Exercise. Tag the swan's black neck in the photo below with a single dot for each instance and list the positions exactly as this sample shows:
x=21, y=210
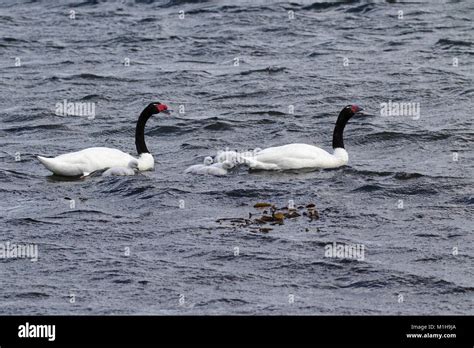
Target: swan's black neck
x=140, y=131
x=337, y=137
x=337, y=140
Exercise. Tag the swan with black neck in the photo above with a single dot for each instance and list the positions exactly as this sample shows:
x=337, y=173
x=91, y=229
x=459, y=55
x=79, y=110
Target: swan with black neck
x=84, y=162
x=299, y=156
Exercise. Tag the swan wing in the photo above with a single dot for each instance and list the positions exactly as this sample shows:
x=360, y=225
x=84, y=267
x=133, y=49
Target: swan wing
x=293, y=156
x=86, y=161
x=62, y=168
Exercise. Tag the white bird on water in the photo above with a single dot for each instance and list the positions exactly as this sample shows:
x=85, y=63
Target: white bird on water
x=208, y=167
x=299, y=156
x=84, y=162
x=122, y=171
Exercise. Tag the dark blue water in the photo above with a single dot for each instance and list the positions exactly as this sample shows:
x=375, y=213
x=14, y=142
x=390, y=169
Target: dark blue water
x=406, y=195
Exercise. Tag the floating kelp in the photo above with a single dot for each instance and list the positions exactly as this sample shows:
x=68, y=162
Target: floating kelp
x=292, y=214
x=262, y=205
x=272, y=216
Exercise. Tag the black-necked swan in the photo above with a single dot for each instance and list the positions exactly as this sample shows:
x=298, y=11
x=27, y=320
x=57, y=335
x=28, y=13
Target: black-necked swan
x=93, y=159
x=299, y=156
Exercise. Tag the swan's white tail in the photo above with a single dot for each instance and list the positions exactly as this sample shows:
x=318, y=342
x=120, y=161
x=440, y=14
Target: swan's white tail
x=47, y=162
x=60, y=168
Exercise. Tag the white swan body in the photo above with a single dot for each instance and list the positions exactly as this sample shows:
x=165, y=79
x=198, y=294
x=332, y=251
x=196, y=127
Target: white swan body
x=296, y=156
x=122, y=171
x=92, y=159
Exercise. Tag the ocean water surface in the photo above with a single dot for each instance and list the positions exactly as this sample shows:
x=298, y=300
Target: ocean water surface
x=238, y=75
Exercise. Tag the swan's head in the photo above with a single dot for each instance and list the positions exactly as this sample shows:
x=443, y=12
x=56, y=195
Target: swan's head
x=208, y=160
x=352, y=109
x=347, y=113
x=157, y=107
x=356, y=108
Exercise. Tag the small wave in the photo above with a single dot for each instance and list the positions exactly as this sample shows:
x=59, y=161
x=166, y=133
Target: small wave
x=407, y=176
x=87, y=76
x=397, y=280
x=395, y=175
x=251, y=193
x=53, y=44
x=396, y=43
x=148, y=19
x=453, y=43
x=122, y=281
x=13, y=174
x=28, y=221
x=95, y=97
x=5, y=19
x=426, y=235
x=269, y=70
x=468, y=92
x=219, y=126
x=137, y=191
x=12, y=39
x=361, y=172
x=415, y=189
x=86, y=3
x=368, y=188
x=168, y=130
x=325, y=5
x=240, y=96
x=220, y=301
x=390, y=136
x=468, y=200
x=32, y=295
x=171, y=3
x=361, y=9
x=194, y=146
x=39, y=127
x=429, y=259
x=367, y=284
x=122, y=185
x=269, y=113
x=316, y=54
x=88, y=215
